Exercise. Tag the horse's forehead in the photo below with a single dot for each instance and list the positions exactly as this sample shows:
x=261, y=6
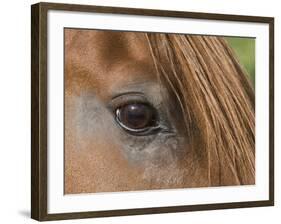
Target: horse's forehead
x=106, y=59
x=107, y=45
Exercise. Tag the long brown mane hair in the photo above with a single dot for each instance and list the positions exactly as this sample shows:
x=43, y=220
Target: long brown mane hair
x=216, y=100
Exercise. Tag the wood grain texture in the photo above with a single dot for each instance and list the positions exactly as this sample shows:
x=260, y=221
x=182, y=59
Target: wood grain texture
x=38, y=112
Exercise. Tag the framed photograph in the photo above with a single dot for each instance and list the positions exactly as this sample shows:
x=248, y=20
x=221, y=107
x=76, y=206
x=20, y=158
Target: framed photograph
x=138, y=111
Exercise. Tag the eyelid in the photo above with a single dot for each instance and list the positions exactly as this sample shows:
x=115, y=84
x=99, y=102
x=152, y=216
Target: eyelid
x=128, y=98
x=131, y=93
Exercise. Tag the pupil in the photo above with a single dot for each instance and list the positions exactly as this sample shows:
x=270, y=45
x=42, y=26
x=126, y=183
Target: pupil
x=136, y=116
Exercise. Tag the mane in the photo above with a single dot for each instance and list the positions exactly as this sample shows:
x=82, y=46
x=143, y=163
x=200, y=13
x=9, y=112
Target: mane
x=216, y=101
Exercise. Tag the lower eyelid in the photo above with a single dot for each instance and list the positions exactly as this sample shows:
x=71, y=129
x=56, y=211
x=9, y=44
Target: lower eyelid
x=141, y=132
x=160, y=129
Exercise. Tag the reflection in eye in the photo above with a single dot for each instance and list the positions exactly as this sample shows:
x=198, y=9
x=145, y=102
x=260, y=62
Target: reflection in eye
x=137, y=118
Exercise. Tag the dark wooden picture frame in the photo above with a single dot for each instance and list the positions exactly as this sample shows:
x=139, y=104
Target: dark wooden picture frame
x=39, y=110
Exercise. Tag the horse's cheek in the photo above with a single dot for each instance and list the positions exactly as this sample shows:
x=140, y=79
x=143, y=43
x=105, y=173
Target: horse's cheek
x=98, y=167
x=94, y=159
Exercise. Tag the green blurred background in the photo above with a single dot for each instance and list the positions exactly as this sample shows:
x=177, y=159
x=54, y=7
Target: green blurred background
x=245, y=51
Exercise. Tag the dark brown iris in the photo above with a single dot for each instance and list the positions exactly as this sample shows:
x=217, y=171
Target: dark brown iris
x=136, y=116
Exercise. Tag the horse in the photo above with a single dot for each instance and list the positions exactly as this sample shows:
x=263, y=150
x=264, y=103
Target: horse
x=147, y=111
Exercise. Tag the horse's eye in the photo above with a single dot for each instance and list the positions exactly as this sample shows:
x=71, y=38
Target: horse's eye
x=137, y=117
